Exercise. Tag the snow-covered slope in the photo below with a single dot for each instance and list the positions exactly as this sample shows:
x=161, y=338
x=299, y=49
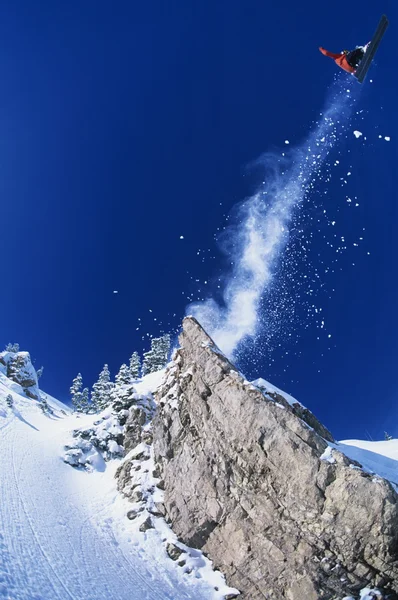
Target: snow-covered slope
x=380, y=458
x=63, y=532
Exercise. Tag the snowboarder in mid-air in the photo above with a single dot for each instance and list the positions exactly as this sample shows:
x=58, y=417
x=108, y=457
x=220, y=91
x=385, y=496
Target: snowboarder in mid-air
x=348, y=61
x=358, y=61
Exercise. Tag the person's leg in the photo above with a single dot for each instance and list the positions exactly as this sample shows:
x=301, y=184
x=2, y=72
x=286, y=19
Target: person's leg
x=355, y=57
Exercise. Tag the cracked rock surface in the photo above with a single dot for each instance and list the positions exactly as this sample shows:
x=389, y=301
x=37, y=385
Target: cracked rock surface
x=244, y=481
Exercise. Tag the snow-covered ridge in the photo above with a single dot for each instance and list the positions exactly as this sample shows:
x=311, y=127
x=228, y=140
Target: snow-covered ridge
x=378, y=458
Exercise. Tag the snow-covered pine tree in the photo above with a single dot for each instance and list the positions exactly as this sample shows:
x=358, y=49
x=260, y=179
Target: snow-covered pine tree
x=85, y=400
x=164, y=349
x=135, y=365
x=10, y=401
x=39, y=373
x=124, y=376
x=387, y=436
x=148, y=362
x=101, y=394
x=75, y=392
x=156, y=358
x=12, y=348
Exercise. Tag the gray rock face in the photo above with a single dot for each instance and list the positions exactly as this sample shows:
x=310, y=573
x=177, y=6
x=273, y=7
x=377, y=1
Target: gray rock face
x=133, y=429
x=19, y=368
x=245, y=482
x=137, y=434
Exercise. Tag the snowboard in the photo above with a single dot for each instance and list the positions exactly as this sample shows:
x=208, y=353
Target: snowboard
x=371, y=50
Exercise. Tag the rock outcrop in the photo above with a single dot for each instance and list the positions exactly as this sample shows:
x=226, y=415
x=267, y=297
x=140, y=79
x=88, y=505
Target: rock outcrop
x=18, y=367
x=137, y=439
x=248, y=480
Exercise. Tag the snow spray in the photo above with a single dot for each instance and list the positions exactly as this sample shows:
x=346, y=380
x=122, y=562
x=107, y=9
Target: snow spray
x=260, y=232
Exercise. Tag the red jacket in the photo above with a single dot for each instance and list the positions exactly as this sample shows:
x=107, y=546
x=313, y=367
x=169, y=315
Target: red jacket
x=339, y=59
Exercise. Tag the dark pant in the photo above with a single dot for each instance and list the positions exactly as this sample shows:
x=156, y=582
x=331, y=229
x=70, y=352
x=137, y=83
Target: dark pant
x=355, y=57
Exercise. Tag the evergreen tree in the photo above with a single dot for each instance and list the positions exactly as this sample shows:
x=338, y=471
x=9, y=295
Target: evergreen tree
x=12, y=348
x=135, y=365
x=124, y=376
x=156, y=358
x=40, y=372
x=76, y=393
x=164, y=349
x=101, y=395
x=85, y=401
x=148, y=362
x=10, y=401
x=387, y=436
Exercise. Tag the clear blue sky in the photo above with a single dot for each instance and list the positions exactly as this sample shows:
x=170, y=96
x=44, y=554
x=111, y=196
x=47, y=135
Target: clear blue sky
x=124, y=126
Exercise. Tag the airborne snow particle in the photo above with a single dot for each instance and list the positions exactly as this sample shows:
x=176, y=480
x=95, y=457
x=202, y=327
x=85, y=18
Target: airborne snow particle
x=115, y=291
x=358, y=134
x=181, y=237
x=287, y=142
x=387, y=138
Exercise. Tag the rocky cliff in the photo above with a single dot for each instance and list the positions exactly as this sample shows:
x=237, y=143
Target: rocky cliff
x=249, y=478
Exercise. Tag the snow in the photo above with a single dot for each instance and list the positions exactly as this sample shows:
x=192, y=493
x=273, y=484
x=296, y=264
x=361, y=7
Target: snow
x=266, y=386
x=149, y=383
x=369, y=594
x=380, y=458
x=327, y=456
x=358, y=134
x=54, y=403
x=64, y=532
x=387, y=138
x=261, y=238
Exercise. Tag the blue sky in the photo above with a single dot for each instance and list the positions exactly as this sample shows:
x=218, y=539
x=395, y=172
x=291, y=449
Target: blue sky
x=125, y=127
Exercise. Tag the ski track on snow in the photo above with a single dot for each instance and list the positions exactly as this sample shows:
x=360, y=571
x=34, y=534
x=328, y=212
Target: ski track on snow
x=59, y=536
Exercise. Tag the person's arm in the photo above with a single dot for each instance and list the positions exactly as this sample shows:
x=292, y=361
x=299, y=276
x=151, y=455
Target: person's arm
x=330, y=54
